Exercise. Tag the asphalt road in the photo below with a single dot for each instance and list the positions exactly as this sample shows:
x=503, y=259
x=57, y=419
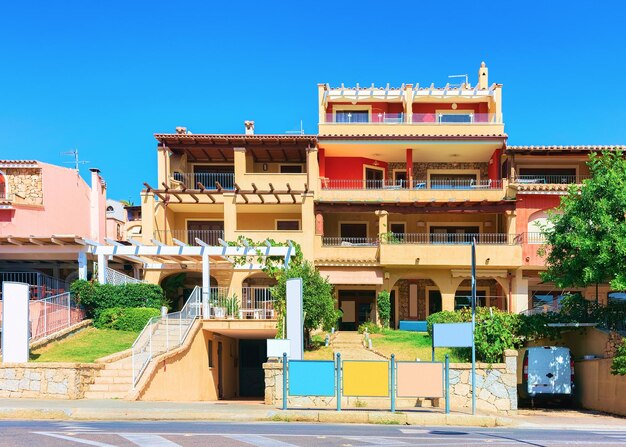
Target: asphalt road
x=195, y=434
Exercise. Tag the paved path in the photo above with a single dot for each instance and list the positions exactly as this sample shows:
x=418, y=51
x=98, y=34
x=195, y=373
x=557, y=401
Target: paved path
x=196, y=434
x=350, y=345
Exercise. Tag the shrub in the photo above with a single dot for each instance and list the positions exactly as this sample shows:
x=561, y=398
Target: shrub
x=384, y=307
x=95, y=297
x=372, y=328
x=495, y=330
x=125, y=318
x=618, y=366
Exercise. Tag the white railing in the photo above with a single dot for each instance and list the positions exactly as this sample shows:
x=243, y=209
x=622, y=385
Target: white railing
x=257, y=302
x=116, y=278
x=52, y=314
x=161, y=334
x=40, y=285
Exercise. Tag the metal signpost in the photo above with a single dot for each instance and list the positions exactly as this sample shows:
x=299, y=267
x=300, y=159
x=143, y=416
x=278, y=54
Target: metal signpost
x=474, y=326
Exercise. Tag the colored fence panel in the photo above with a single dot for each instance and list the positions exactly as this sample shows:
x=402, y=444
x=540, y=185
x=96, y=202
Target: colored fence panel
x=311, y=378
x=365, y=379
x=416, y=326
x=452, y=335
x=421, y=379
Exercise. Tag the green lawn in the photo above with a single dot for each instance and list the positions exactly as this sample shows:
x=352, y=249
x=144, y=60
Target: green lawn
x=407, y=345
x=317, y=350
x=86, y=346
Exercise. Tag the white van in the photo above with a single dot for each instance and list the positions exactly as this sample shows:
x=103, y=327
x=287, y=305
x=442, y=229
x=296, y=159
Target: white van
x=545, y=372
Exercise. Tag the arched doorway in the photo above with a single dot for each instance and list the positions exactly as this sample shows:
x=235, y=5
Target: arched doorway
x=178, y=286
x=3, y=186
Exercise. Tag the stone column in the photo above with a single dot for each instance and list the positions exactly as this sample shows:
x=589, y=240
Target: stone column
x=519, y=295
x=383, y=225
x=230, y=216
x=163, y=165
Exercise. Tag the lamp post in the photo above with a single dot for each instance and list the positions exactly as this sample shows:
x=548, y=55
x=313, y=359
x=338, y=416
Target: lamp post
x=474, y=326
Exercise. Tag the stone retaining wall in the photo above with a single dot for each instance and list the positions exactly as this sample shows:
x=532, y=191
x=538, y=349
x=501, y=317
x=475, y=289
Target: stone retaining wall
x=46, y=380
x=496, y=390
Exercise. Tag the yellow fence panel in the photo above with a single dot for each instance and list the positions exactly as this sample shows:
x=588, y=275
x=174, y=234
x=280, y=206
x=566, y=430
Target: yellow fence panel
x=365, y=379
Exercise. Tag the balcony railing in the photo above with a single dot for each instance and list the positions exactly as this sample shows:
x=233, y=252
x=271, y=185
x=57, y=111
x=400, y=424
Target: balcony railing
x=360, y=118
x=465, y=301
x=210, y=237
x=350, y=241
x=534, y=238
x=452, y=238
x=255, y=303
x=549, y=179
x=354, y=185
x=41, y=286
x=416, y=118
x=210, y=180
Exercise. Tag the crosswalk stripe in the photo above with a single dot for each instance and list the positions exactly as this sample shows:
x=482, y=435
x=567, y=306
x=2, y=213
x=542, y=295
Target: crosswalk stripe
x=148, y=440
x=376, y=440
x=76, y=440
x=259, y=441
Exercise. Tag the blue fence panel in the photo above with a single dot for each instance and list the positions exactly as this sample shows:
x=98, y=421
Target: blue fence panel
x=311, y=378
x=415, y=326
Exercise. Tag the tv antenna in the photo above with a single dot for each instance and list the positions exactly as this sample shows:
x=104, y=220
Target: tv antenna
x=301, y=131
x=76, y=161
x=461, y=76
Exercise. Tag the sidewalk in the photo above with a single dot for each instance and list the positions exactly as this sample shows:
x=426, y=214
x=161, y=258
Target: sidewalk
x=237, y=411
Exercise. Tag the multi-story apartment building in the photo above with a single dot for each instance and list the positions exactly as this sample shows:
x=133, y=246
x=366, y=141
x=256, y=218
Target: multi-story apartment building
x=387, y=196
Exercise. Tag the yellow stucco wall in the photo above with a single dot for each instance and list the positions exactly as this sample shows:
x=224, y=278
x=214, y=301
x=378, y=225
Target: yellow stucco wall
x=598, y=389
x=186, y=375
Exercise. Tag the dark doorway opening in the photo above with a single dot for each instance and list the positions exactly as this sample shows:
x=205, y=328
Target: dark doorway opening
x=434, y=301
x=357, y=306
x=252, y=355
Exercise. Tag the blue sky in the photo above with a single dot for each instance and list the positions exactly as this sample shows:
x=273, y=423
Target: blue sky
x=104, y=76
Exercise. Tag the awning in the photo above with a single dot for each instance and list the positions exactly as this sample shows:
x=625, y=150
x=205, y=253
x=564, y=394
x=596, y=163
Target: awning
x=353, y=275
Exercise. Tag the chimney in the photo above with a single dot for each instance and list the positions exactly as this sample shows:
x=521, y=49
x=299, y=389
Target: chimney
x=483, y=77
x=97, y=202
x=180, y=130
x=249, y=127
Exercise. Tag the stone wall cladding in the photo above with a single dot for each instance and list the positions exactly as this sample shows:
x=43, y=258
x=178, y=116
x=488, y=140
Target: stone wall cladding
x=46, y=380
x=496, y=389
x=420, y=170
x=25, y=185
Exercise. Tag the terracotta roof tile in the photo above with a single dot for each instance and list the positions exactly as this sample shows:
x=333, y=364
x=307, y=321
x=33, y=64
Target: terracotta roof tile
x=562, y=148
x=240, y=138
x=410, y=137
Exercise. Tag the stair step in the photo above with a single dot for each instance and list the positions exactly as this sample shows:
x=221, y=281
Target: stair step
x=116, y=373
x=112, y=380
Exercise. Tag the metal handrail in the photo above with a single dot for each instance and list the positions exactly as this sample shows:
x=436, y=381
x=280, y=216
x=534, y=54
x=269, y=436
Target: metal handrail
x=157, y=337
x=350, y=241
x=549, y=179
x=210, y=237
x=41, y=285
x=209, y=180
x=388, y=184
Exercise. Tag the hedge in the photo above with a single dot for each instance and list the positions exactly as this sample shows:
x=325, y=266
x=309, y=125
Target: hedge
x=125, y=318
x=95, y=297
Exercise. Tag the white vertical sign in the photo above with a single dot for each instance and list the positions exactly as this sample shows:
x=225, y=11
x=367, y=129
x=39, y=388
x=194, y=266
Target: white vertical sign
x=295, y=318
x=15, y=322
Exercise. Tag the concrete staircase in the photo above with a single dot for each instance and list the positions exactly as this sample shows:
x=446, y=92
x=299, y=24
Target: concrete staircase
x=115, y=381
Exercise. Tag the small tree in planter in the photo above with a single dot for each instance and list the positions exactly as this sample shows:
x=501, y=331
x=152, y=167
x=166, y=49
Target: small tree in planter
x=384, y=307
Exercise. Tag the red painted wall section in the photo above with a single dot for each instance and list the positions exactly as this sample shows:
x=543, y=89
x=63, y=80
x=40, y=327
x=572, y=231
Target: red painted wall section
x=350, y=168
x=527, y=205
x=494, y=165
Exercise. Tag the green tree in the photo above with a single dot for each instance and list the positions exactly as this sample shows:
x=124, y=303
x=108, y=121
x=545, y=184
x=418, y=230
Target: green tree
x=384, y=307
x=586, y=234
x=618, y=366
x=317, y=298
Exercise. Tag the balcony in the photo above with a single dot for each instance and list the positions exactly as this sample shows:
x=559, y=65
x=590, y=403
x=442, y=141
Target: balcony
x=210, y=237
x=349, y=242
x=208, y=180
x=412, y=123
x=415, y=191
x=256, y=303
x=451, y=249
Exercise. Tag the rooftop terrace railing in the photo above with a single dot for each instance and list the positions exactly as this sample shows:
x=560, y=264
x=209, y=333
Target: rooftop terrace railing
x=345, y=117
x=210, y=180
x=356, y=185
x=210, y=237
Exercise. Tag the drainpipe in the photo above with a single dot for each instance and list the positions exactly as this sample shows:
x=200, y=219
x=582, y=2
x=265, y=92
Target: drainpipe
x=510, y=294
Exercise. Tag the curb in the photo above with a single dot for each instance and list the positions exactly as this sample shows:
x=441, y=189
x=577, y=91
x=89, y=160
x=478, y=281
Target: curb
x=332, y=417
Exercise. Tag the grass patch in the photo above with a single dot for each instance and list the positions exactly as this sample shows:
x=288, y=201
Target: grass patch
x=318, y=350
x=86, y=346
x=408, y=345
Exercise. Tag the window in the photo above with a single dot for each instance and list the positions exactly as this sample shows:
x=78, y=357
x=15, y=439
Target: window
x=617, y=297
x=352, y=116
x=463, y=298
x=453, y=235
x=110, y=209
x=561, y=176
x=399, y=178
x=447, y=117
x=398, y=230
x=549, y=299
x=291, y=169
x=288, y=225
x=210, y=349
x=353, y=230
